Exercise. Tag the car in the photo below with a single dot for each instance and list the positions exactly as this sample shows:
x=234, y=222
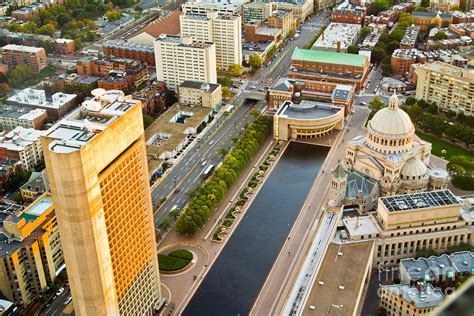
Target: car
x=178, y=190
x=362, y=103
x=59, y=291
x=204, y=163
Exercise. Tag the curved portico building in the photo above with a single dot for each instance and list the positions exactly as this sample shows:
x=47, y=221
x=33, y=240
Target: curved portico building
x=307, y=119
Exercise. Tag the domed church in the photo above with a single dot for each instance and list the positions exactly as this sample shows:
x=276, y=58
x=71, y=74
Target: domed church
x=392, y=156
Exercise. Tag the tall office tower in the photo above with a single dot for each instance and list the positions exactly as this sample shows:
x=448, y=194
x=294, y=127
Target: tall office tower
x=224, y=30
x=184, y=59
x=97, y=168
x=450, y=87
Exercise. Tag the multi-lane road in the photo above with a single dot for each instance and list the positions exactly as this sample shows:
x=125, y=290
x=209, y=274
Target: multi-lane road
x=186, y=174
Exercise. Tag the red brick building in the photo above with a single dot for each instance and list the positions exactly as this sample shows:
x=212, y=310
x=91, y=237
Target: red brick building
x=122, y=49
x=64, y=46
x=347, y=16
x=256, y=32
x=17, y=55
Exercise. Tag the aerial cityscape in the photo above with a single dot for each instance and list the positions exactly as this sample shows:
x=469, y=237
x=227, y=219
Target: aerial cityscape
x=237, y=157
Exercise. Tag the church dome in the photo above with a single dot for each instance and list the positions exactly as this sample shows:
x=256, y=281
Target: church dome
x=392, y=121
x=391, y=130
x=414, y=168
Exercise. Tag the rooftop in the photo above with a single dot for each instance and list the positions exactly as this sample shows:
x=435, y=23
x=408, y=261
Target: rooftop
x=199, y=85
x=21, y=113
x=34, y=97
x=328, y=57
x=183, y=41
x=344, y=34
x=94, y=115
x=128, y=45
x=21, y=48
x=426, y=298
x=307, y=110
x=419, y=200
x=426, y=269
x=170, y=131
x=347, y=271
x=38, y=182
x=362, y=226
x=19, y=138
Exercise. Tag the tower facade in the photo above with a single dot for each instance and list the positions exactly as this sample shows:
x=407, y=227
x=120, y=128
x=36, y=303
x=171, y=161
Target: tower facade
x=97, y=169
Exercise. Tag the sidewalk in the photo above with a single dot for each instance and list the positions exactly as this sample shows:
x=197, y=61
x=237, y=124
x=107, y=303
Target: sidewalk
x=183, y=285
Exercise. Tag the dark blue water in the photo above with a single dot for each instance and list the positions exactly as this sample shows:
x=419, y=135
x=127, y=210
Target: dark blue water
x=235, y=279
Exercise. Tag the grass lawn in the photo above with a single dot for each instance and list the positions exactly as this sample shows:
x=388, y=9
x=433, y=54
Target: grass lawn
x=438, y=145
x=168, y=263
x=182, y=253
x=175, y=260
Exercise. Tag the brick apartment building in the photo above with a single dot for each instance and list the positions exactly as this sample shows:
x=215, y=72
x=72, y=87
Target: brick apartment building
x=282, y=19
x=121, y=74
x=64, y=46
x=18, y=55
x=257, y=32
x=60, y=45
x=122, y=49
x=347, y=16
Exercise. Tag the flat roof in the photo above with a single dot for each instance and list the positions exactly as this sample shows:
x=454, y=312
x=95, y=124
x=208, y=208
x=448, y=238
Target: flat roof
x=19, y=112
x=170, y=130
x=361, y=226
x=27, y=49
x=419, y=200
x=34, y=97
x=345, y=34
x=199, y=85
x=307, y=110
x=83, y=124
x=348, y=270
x=429, y=268
x=328, y=57
x=427, y=298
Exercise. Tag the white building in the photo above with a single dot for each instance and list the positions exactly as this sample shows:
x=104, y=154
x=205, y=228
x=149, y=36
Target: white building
x=204, y=6
x=180, y=59
x=450, y=87
x=23, y=144
x=13, y=116
x=225, y=30
x=337, y=37
x=56, y=105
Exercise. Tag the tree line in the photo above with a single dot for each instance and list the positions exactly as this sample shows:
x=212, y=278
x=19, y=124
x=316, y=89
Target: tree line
x=207, y=197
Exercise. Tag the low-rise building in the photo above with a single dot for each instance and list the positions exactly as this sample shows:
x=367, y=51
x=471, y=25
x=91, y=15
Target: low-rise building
x=308, y=119
x=24, y=13
x=402, y=59
x=194, y=93
x=402, y=299
x=23, y=144
x=301, y=8
x=337, y=37
x=258, y=32
x=437, y=269
x=64, y=46
x=18, y=55
x=450, y=87
x=12, y=116
x=351, y=16
x=410, y=37
x=329, y=66
x=288, y=89
x=129, y=50
x=171, y=134
x=73, y=83
x=405, y=224
x=36, y=185
x=55, y=105
x=8, y=167
x=282, y=19
x=31, y=256
x=256, y=11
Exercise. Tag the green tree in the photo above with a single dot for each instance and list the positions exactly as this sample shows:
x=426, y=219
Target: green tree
x=224, y=81
x=387, y=68
x=19, y=75
x=378, y=6
x=440, y=35
x=113, y=15
x=425, y=3
x=433, y=108
x=226, y=93
x=147, y=120
x=352, y=49
x=235, y=70
x=378, y=54
x=410, y=101
x=376, y=104
x=78, y=43
x=255, y=61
